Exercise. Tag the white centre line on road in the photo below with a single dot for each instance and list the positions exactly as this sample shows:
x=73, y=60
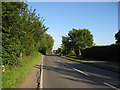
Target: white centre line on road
x=41, y=76
x=61, y=62
x=80, y=71
x=111, y=86
x=58, y=60
x=65, y=64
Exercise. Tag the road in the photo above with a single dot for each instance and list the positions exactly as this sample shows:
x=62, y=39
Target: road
x=57, y=72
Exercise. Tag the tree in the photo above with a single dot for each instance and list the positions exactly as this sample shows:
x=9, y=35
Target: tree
x=78, y=39
x=11, y=31
x=66, y=45
x=117, y=37
x=81, y=39
x=46, y=44
x=23, y=32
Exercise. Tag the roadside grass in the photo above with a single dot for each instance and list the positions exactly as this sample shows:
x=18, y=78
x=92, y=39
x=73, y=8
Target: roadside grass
x=92, y=60
x=96, y=63
x=14, y=76
x=0, y=63
x=81, y=59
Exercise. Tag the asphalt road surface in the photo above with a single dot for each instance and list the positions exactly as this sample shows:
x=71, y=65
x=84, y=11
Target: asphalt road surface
x=57, y=72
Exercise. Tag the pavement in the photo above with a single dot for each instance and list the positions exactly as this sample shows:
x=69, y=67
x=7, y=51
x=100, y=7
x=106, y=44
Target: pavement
x=57, y=72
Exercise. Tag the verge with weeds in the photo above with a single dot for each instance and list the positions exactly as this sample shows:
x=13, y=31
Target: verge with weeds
x=96, y=63
x=11, y=78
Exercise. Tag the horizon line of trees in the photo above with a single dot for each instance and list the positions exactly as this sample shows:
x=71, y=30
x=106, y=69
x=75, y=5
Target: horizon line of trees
x=78, y=40
x=75, y=41
x=23, y=33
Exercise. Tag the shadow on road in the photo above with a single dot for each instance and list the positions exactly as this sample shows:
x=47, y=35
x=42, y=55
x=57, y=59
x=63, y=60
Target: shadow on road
x=76, y=76
x=95, y=78
x=52, y=55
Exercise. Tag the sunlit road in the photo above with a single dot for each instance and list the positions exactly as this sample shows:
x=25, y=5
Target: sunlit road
x=62, y=73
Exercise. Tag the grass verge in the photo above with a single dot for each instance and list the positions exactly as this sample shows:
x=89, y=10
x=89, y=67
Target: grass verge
x=99, y=64
x=13, y=77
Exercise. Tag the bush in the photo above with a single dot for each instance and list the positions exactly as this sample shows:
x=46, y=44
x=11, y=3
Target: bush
x=107, y=53
x=23, y=32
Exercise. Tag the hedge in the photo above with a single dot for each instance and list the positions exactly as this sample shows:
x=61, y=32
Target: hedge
x=107, y=53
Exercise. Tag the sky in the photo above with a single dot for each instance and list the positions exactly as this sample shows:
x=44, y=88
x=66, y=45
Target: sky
x=101, y=18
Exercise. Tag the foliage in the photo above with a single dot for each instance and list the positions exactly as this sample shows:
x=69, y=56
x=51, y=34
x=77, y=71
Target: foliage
x=107, y=53
x=46, y=47
x=66, y=45
x=81, y=38
x=77, y=39
x=117, y=37
x=14, y=76
x=23, y=32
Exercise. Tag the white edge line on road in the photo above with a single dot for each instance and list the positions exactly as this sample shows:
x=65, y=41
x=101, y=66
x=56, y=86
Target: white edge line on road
x=110, y=85
x=41, y=76
x=80, y=71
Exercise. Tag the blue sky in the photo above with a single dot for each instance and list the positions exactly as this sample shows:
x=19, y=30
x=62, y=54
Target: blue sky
x=101, y=18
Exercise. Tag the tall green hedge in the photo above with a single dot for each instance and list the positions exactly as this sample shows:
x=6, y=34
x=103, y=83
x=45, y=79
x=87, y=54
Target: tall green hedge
x=23, y=32
x=107, y=53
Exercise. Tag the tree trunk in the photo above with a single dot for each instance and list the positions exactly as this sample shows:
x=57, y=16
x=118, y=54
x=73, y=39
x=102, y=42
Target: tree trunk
x=79, y=52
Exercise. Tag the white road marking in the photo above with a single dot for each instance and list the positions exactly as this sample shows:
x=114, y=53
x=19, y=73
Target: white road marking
x=61, y=62
x=87, y=74
x=80, y=71
x=41, y=76
x=58, y=60
x=110, y=85
x=65, y=64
